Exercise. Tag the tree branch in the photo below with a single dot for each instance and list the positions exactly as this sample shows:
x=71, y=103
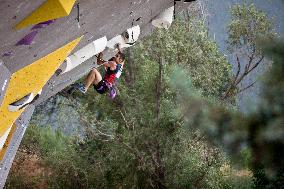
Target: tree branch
x=233, y=83
x=251, y=57
x=245, y=88
x=123, y=117
x=239, y=69
x=103, y=134
x=248, y=70
x=129, y=148
x=256, y=64
x=239, y=78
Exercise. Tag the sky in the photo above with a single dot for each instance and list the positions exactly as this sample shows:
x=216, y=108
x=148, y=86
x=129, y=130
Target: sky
x=219, y=17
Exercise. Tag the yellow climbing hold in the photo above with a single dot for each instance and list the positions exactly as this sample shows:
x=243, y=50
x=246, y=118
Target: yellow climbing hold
x=49, y=10
x=31, y=79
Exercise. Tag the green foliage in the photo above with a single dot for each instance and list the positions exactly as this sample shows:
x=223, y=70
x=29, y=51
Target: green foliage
x=262, y=130
x=144, y=152
x=189, y=163
x=269, y=129
x=246, y=157
x=59, y=156
x=248, y=25
x=141, y=140
x=17, y=180
x=187, y=44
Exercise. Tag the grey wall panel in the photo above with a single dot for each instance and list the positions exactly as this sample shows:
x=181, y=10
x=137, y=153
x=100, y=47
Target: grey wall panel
x=4, y=80
x=98, y=18
x=21, y=124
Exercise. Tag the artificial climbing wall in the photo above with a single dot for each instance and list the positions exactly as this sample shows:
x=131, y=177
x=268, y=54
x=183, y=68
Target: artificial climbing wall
x=30, y=79
x=36, y=36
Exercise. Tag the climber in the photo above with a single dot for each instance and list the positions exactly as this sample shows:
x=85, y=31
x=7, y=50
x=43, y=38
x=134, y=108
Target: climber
x=113, y=70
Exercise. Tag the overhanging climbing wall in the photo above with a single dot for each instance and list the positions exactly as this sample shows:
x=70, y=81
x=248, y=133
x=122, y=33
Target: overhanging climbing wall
x=30, y=80
x=13, y=142
x=37, y=36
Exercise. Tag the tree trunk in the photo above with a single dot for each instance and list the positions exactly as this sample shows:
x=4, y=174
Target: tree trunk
x=130, y=76
x=159, y=90
x=160, y=169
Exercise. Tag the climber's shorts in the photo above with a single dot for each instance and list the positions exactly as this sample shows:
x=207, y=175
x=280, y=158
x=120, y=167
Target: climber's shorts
x=102, y=87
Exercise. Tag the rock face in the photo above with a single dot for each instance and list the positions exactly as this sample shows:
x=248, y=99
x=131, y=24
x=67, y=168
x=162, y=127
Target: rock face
x=218, y=19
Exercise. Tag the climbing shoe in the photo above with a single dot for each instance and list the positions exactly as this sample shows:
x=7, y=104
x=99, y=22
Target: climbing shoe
x=80, y=87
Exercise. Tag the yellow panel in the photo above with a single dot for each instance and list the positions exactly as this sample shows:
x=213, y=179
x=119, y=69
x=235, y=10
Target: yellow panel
x=31, y=79
x=49, y=10
x=7, y=142
x=67, y=5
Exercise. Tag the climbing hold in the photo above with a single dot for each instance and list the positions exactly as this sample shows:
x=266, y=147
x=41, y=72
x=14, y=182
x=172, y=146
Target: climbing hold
x=19, y=104
x=49, y=10
x=84, y=54
x=164, y=19
x=131, y=35
x=43, y=24
x=115, y=40
x=127, y=39
x=78, y=15
x=138, y=19
x=28, y=39
x=9, y=53
x=58, y=72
